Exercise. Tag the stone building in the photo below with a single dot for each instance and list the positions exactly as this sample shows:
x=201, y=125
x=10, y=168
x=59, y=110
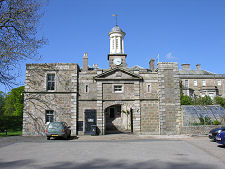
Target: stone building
x=202, y=83
x=117, y=99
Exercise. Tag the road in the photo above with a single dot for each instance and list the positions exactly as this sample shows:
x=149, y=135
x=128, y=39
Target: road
x=111, y=153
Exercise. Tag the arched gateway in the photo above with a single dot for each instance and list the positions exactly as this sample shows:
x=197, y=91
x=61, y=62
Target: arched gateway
x=118, y=119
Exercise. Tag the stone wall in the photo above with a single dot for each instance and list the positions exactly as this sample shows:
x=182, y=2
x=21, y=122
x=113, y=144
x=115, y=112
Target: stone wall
x=37, y=99
x=169, y=98
x=198, y=130
x=108, y=91
x=149, y=117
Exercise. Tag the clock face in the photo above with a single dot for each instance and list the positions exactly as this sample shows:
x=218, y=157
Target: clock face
x=117, y=61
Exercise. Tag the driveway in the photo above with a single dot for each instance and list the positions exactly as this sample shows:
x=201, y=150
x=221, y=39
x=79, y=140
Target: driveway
x=111, y=152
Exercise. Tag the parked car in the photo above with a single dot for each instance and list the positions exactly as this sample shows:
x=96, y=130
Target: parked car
x=220, y=138
x=58, y=129
x=214, y=132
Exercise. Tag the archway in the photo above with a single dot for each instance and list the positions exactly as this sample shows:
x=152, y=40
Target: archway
x=117, y=120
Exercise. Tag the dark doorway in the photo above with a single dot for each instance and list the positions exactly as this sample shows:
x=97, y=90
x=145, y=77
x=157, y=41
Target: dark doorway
x=90, y=119
x=131, y=121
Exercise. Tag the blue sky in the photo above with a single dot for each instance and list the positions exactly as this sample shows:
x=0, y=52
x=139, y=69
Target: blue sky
x=183, y=31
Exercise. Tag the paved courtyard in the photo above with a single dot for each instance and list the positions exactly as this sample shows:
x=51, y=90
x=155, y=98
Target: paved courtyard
x=112, y=152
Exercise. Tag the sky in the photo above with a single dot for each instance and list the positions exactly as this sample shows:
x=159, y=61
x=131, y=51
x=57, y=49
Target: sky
x=183, y=31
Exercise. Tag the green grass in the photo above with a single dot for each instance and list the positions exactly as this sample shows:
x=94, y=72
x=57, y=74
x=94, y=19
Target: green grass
x=11, y=133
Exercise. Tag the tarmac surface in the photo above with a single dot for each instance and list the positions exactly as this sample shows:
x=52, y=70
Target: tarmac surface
x=123, y=151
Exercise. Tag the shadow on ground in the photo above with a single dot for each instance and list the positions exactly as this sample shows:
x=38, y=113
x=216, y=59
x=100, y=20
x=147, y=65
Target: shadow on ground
x=221, y=146
x=106, y=164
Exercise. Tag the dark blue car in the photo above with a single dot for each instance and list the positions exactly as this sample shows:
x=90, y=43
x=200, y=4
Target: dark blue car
x=220, y=138
x=214, y=132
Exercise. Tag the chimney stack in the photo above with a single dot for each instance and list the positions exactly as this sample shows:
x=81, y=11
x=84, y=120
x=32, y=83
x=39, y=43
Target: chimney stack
x=152, y=65
x=85, y=62
x=186, y=67
x=198, y=67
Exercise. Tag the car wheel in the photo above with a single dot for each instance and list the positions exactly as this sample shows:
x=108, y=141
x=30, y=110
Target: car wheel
x=48, y=138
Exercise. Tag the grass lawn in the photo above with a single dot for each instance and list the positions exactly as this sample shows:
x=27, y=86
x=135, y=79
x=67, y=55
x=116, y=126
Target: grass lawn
x=11, y=133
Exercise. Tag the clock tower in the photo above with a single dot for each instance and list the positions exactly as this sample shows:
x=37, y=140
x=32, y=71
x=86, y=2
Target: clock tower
x=116, y=57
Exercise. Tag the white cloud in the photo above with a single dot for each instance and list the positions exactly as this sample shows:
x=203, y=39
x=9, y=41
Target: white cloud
x=170, y=56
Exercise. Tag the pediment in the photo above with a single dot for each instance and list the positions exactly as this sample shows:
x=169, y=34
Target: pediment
x=118, y=74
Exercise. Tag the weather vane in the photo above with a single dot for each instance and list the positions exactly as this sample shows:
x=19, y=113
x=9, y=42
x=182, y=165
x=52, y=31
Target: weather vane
x=116, y=18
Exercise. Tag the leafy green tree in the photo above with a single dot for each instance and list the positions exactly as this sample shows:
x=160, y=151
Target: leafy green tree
x=220, y=101
x=186, y=100
x=206, y=100
x=14, y=101
x=2, y=101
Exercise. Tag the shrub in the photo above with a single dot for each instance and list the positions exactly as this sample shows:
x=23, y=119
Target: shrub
x=216, y=122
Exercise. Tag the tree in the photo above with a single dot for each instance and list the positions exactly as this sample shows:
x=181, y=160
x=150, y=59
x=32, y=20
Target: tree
x=19, y=20
x=14, y=102
x=206, y=100
x=2, y=101
x=220, y=101
x=186, y=100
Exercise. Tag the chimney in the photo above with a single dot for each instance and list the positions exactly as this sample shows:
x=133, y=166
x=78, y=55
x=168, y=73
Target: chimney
x=152, y=65
x=85, y=62
x=198, y=66
x=186, y=67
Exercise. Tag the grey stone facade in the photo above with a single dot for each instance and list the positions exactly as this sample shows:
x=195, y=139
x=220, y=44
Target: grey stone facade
x=143, y=95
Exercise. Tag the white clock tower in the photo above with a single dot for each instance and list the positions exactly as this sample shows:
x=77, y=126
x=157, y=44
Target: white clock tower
x=117, y=56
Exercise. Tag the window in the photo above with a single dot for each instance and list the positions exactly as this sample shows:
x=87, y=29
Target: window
x=117, y=44
x=49, y=116
x=195, y=83
x=203, y=83
x=118, y=88
x=149, y=88
x=186, y=84
x=50, y=81
x=113, y=43
x=219, y=82
x=86, y=89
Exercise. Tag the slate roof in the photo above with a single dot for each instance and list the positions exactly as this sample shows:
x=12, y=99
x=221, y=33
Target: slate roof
x=194, y=72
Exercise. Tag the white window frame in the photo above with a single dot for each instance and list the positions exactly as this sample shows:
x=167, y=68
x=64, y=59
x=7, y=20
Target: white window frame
x=118, y=91
x=186, y=85
x=203, y=83
x=195, y=83
x=46, y=83
x=219, y=83
x=47, y=114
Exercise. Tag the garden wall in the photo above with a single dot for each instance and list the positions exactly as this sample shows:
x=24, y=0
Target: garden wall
x=198, y=130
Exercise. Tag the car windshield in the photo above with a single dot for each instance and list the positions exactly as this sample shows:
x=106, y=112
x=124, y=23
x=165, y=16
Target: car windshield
x=55, y=125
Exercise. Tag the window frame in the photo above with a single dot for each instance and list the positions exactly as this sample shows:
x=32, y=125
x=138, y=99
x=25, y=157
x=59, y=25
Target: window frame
x=51, y=82
x=219, y=82
x=118, y=91
x=195, y=84
x=149, y=87
x=203, y=82
x=186, y=85
x=49, y=114
x=86, y=90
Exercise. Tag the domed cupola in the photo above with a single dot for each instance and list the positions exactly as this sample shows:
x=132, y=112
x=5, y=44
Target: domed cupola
x=116, y=36
x=116, y=56
x=116, y=29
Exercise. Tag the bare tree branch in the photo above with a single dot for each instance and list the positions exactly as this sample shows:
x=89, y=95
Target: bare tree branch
x=19, y=21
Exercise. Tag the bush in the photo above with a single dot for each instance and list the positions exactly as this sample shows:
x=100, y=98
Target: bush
x=220, y=101
x=216, y=122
